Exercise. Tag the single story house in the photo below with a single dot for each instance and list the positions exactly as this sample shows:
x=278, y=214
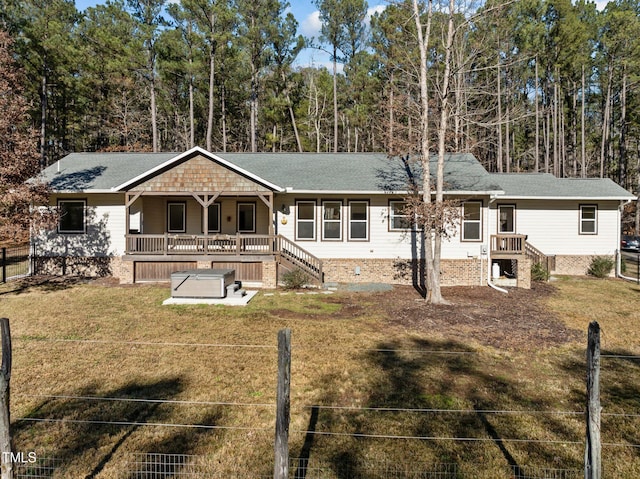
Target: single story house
x=339, y=217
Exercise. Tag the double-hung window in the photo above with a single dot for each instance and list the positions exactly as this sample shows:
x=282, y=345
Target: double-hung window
x=472, y=221
x=332, y=220
x=358, y=221
x=588, y=219
x=72, y=216
x=398, y=217
x=306, y=220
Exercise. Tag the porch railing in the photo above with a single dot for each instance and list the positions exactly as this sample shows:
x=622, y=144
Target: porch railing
x=518, y=245
x=179, y=244
x=508, y=244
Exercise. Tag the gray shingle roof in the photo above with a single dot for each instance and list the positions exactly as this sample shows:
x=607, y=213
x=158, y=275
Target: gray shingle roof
x=321, y=172
x=545, y=185
x=327, y=172
x=100, y=171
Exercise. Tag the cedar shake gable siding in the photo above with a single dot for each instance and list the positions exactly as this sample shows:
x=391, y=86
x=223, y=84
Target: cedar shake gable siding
x=198, y=174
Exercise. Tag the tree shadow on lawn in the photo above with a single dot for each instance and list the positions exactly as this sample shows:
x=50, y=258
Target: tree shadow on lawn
x=422, y=376
x=42, y=283
x=88, y=430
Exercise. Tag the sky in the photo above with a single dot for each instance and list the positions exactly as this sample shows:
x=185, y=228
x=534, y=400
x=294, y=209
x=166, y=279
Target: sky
x=308, y=25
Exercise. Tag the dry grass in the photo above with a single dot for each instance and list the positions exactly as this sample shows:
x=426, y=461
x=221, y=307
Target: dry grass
x=344, y=354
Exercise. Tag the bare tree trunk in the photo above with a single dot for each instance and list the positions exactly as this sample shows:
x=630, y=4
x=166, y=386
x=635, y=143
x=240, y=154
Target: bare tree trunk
x=605, y=125
x=507, y=153
x=536, y=167
x=583, y=147
x=623, y=131
x=223, y=101
x=212, y=68
x=432, y=280
x=435, y=292
x=574, y=130
x=335, y=101
x=43, y=122
x=253, y=115
x=499, y=82
x=554, y=117
x=154, y=115
x=547, y=139
x=391, y=117
x=192, y=132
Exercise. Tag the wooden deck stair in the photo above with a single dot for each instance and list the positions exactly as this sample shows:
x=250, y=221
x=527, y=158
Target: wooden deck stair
x=537, y=256
x=291, y=256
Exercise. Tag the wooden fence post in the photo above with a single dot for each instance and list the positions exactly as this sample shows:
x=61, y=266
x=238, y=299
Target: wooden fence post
x=592, y=453
x=4, y=265
x=281, y=464
x=5, y=375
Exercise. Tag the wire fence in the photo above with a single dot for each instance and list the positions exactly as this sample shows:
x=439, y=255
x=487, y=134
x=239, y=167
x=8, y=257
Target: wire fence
x=37, y=468
x=188, y=466
x=15, y=262
x=162, y=465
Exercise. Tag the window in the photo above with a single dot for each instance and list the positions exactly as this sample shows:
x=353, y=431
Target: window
x=176, y=217
x=472, y=221
x=506, y=219
x=398, y=217
x=332, y=220
x=358, y=221
x=305, y=220
x=72, y=217
x=588, y=219
x=213, y=218
x=246, y=218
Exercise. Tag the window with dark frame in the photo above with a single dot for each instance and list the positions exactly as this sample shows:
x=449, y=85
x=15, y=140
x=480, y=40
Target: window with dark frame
x=213, y=218
x=246, y=218
x=176, y=217
x=506, y=219
x=358, y=221
x=399, y=220
x=332, y=220
x=472, y=221
x=588, y=219
x=305, y=220
x=72, y=216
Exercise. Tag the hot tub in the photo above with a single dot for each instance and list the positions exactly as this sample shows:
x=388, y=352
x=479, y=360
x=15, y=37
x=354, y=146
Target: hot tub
x=202, y=283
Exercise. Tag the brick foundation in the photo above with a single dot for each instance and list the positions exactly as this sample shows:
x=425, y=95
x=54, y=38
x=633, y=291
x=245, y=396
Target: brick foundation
x=462, y=272
x=575, y=265
x=269, y=275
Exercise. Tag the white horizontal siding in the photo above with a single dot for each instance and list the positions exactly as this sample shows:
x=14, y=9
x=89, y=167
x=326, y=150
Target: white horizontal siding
x=105, y=234
x=382, y=243
x=553, y=226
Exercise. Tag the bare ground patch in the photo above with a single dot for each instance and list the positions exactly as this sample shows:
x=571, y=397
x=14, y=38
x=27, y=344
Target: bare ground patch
x=515, y=320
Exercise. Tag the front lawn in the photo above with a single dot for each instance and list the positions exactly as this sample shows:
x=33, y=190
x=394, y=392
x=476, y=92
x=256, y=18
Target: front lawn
x=493, y=383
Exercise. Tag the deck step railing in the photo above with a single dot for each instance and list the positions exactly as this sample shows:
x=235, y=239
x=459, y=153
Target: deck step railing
x=510, y=245
x=290, y=252
x=537, y=256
